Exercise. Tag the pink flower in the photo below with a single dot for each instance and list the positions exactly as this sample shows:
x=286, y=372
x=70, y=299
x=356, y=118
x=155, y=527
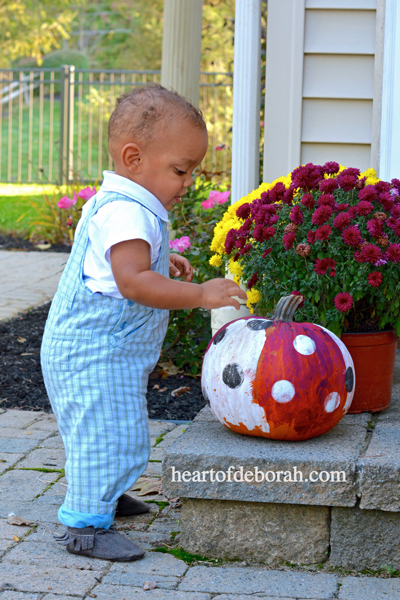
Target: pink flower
x=393, y=253
x=220, y=147
x=207, y=204
x=341, y=221
x=343, y=301
x=214, y=198
x=323, y=233
x=243, y=212
x=308, y=201
x=375, y=279
x=369, y=193
x=296, y=215
x=351, y=236
x=288, y=240
x=180, y=244
x=252, y=281
x=326, y=200
x=371, y=253
x=87, y=193
x=323, y=264
x=311, y=237
x=327, y=186
x=331, y=167
x=364, y=207
x=66, y=202
x=321, y=215
x=266, y=252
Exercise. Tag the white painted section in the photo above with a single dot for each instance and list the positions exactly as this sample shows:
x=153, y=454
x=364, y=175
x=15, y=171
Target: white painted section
x=337, y=121
x=222, y=316
x=304, y=345
x=242, y=346
x=341, y=4
x=181, y=49
x=246, y=98
x=283, y=87
x=390, y=128
x=344, y=154
x=283, y=391
x=338, y=76
x=340, y=31
x=332, y=401
x=348, y=361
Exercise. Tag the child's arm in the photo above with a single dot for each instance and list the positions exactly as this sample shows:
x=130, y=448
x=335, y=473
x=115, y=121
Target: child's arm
x=131, y=267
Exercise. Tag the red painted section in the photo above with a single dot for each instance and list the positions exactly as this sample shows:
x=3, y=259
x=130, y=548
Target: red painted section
x=313, y=377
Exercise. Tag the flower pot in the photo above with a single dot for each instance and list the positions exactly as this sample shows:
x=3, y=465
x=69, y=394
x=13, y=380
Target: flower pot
x=374, y=356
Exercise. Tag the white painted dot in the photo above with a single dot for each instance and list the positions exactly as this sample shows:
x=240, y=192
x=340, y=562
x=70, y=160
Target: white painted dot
x=304, y=345
x=283, y=391
x=332, y=401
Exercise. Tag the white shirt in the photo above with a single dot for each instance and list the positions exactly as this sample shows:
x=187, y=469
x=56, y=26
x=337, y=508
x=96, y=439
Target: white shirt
x=119, y=221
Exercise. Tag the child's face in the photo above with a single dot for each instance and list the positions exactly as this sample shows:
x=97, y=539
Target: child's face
x=169, y=161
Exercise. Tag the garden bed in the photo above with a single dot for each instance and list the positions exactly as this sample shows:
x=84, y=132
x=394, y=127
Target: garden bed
x=11, y=242
x=21, y=381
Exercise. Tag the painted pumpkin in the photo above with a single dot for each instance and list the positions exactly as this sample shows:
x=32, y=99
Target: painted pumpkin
x=278, y=379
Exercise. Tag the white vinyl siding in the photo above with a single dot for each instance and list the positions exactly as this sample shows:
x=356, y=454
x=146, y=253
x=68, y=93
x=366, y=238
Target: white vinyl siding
x=338, y=100
x=338, y=82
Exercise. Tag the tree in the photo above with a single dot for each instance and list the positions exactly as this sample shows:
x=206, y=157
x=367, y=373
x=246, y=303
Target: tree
x=33, y=27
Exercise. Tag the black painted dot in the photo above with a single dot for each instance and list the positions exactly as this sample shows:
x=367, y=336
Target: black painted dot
x=219, y=336
x=233, y=375
x=349, y=379
x=205, y=395
x=258, y=324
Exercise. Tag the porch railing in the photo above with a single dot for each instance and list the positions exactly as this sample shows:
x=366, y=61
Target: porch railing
x=53, y=122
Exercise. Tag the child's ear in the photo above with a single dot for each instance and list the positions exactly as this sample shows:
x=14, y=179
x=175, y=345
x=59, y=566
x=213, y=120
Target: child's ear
x=131, y=157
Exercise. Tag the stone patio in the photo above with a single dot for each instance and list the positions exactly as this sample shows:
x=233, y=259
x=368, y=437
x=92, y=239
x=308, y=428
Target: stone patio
x=34, y=567
x=351, y=522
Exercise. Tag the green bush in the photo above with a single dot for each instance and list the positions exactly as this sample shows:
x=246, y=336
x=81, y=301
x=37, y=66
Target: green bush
x=189, y=331
x=57, y=59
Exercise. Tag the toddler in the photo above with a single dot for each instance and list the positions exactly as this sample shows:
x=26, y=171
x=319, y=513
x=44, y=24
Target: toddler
x=109, y=316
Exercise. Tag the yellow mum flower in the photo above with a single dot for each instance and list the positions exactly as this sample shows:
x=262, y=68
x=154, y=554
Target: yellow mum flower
x=370, y=174
x=235, y=268
x=253, y=296
x=216, y=260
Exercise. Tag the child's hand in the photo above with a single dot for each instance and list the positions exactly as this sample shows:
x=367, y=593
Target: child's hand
x=179, y=265
x=218, y=292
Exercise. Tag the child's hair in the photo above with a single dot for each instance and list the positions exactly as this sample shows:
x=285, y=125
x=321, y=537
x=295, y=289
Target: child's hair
x=137, y=112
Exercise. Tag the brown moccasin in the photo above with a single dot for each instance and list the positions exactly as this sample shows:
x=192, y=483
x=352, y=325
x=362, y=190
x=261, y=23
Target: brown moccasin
x=128, y=506
x=106, y=544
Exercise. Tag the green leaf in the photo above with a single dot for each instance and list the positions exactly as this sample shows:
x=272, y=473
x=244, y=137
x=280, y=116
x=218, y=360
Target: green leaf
x=397, y=325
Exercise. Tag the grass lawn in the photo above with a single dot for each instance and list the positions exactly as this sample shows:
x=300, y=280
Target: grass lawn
x=16, y=210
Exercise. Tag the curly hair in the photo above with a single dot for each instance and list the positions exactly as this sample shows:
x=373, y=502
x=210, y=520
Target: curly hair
x=138, y=112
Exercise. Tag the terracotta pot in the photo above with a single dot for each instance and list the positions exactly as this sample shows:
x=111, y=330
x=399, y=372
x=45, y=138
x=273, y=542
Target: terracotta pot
x=374, y=356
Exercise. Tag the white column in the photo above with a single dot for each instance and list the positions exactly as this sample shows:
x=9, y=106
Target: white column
x=389, y=163
x=181, y=49
x=246, y=120
x=246, y=99
x=283, y=87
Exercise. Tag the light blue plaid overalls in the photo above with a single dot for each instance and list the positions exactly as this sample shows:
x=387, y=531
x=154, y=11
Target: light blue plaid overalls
x=97, y=353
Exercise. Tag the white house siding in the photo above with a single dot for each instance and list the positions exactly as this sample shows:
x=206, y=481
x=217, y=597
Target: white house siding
x=339, y=62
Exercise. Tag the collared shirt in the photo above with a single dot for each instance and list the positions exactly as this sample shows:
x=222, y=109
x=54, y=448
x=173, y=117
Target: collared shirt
x=119, y=221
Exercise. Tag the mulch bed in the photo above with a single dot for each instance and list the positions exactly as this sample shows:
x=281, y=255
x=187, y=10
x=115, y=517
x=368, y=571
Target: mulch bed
x=21, y=381
x=11, y=242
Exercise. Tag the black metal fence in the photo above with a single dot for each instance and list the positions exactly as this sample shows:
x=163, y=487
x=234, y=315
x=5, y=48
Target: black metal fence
x=53, y=122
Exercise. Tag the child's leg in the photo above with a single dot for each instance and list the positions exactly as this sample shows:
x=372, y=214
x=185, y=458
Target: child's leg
x=103, y=421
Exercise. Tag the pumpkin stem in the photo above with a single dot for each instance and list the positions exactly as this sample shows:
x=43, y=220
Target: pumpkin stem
x=286, y=308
